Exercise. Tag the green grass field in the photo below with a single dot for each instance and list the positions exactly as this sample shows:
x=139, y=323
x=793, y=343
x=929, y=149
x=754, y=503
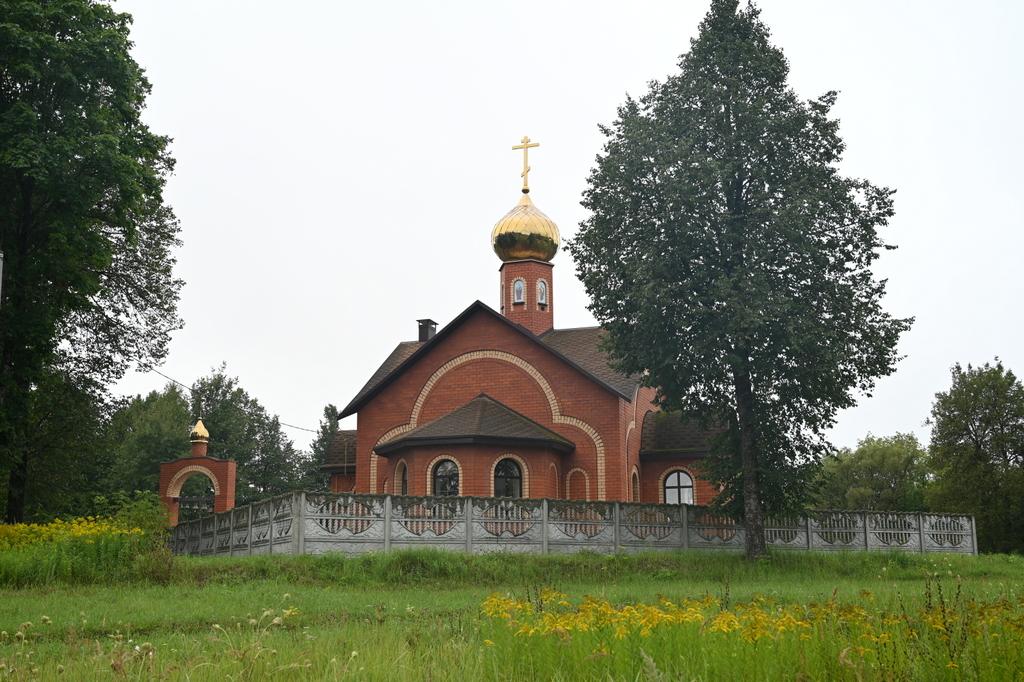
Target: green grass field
x=421, y=616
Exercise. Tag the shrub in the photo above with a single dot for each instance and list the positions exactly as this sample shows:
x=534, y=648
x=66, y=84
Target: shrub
x=128, y=545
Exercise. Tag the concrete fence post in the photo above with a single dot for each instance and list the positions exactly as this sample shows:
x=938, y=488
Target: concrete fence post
x=686, y=526
x=270, y=528
x=920, y=532
x=231, y=533
x=544, y=526
x=468, y=512
x=807, y=528
x=248, y=535
x=387, y=523
x=617, y=527
x=974, y=535
x=299, y=516
x=864, y=520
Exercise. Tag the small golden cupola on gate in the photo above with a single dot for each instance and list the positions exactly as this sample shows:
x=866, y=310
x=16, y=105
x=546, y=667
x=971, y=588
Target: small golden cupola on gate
x=525, y=232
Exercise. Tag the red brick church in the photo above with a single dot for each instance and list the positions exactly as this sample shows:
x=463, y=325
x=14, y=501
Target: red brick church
x=501, y=403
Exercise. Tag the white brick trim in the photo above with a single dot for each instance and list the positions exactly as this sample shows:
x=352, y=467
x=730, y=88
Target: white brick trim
x=523, y=468
x=396, y=483
x=430, y=472
x=556, y=413
x=536, y=294
x=665, y=474
x=568, y=481
x=174, y=487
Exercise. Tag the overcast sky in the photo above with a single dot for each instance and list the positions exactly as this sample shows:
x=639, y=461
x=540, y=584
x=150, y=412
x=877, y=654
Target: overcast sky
x=340, y=167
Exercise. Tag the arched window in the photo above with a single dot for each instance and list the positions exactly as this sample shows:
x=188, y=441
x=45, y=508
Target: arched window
x=403, y=479
x=508, y=479
x=636, y=487
x=519, y=291
x=542, y=292
x=446, y=478
x=678, y=488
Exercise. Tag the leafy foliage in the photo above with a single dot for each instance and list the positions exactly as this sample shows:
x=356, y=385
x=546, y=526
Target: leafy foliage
x=67, y=446
x=87, y=286
x=731, y=261
x=977, y=452
x=242, y=429
x=313, y=478
x=884, y=474
x=145, y=432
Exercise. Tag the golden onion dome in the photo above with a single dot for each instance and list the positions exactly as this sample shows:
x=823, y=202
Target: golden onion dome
x=199, y=433
x=525, y=232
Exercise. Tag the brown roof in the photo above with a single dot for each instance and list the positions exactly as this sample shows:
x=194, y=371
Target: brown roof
x=483, y=420
x=400, y=354
x=670, y=433
x=577, y=347
x=341, y=454
x=583, y=346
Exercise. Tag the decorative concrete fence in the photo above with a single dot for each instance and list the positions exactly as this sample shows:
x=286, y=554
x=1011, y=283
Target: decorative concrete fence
x=314, y=523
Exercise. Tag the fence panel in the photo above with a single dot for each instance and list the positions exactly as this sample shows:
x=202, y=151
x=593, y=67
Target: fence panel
x=343, y=523
x=645, y=527
x=499, y=524
x=575, y=526
x=428, y=522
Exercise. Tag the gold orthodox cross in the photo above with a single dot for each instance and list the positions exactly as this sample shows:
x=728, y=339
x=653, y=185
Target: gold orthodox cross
x=525, y=146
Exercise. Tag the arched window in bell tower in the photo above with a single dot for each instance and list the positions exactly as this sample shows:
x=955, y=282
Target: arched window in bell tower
x=542, y=293
x=519, y=291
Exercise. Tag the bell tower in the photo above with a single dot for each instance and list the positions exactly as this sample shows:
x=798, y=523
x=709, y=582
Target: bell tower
x=526, y=240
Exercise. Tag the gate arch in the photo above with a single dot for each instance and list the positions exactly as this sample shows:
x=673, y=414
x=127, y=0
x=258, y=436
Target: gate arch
x=221, y=473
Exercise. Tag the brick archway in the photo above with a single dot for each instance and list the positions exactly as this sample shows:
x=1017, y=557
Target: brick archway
x=173, y=475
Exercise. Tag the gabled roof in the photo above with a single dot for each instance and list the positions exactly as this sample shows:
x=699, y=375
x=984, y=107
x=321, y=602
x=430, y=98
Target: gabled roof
x=670, y=433
x=341, y=453
x=400, y=354
x=579, y=348
x=481, y=421
x=583, y=346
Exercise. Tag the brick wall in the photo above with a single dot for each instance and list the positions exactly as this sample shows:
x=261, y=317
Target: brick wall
x=476, y=469
x=509, y=380
x=533, y=315
x=654, y=471
x=173, y=475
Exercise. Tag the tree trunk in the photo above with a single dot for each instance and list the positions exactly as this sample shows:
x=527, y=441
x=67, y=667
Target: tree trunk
x=16, y=484
x=753, y=512
x=16, y=359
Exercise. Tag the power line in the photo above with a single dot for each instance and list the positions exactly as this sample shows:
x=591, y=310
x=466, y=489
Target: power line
x=192, y=390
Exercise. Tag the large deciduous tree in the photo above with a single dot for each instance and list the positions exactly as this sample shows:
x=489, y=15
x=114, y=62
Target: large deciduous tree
x=146, y=431
x=977, y=453
x=87, y=287
x=241, y=429
x=730, y=260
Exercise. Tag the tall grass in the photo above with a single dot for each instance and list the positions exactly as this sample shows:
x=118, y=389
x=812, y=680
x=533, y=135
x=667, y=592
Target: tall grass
x=128, y=545
x=427, y=615
x=431, y=567
x=120, y=559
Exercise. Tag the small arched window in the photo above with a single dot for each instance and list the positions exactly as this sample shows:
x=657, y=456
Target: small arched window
x=519, y=291
x=636, y=487
x=508, y=479
x=678, y=488
x=403, y=479
x=446, y=478
x=542, y=293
